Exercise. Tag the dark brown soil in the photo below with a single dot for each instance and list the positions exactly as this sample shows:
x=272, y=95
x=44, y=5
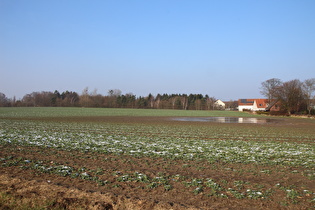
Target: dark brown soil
x=55, y=191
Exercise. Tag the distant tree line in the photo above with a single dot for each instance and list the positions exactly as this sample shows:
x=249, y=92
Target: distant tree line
x=293, y=97
x=115, y=99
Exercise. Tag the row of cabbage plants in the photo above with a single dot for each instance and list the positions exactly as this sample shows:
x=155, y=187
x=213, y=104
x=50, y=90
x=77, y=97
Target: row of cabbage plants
x=208, y=186
x=165, y=142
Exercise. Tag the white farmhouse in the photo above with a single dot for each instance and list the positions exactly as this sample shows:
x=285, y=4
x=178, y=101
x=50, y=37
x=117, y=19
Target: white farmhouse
x=252, y=104
x=219, y=104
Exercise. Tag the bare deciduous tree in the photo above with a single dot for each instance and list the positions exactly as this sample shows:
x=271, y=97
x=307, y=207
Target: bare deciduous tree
x=85, y=100
x=309, y=88
x=4, y=101
x=210, y=103
x=184, y=101
x=114, y=92
x=290, y=95
x=268, y=88
x=174, y=99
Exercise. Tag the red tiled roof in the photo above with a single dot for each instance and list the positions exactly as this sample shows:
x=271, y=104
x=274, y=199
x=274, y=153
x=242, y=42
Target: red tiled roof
x=246, y=101
x=261, y=103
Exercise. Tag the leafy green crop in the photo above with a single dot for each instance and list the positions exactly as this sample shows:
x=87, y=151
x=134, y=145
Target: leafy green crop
x=286, y=146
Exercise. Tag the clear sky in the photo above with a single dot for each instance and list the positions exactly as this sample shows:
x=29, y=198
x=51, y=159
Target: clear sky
x=223, y=48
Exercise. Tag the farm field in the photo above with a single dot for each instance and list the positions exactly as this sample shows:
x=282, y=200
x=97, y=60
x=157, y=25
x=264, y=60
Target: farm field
x=90, y=158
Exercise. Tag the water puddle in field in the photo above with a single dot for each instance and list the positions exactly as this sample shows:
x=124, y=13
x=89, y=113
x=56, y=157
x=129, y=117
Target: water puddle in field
x=227, y=120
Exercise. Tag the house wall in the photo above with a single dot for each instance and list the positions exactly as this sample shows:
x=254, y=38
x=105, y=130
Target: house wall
x=219, y=103
x=256, y=108
x=252, y=104
x=242, y=107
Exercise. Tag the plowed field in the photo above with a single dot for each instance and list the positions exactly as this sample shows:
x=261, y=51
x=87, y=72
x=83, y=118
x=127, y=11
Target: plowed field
x=143, y=162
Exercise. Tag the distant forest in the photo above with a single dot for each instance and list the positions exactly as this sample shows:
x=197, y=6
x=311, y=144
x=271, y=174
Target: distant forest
x=115, y=99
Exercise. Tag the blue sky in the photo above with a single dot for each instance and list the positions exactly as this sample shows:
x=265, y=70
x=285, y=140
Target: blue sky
x=221, y=48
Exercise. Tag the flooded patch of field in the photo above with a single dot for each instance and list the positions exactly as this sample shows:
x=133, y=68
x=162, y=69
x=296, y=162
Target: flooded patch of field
x=228, y=120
